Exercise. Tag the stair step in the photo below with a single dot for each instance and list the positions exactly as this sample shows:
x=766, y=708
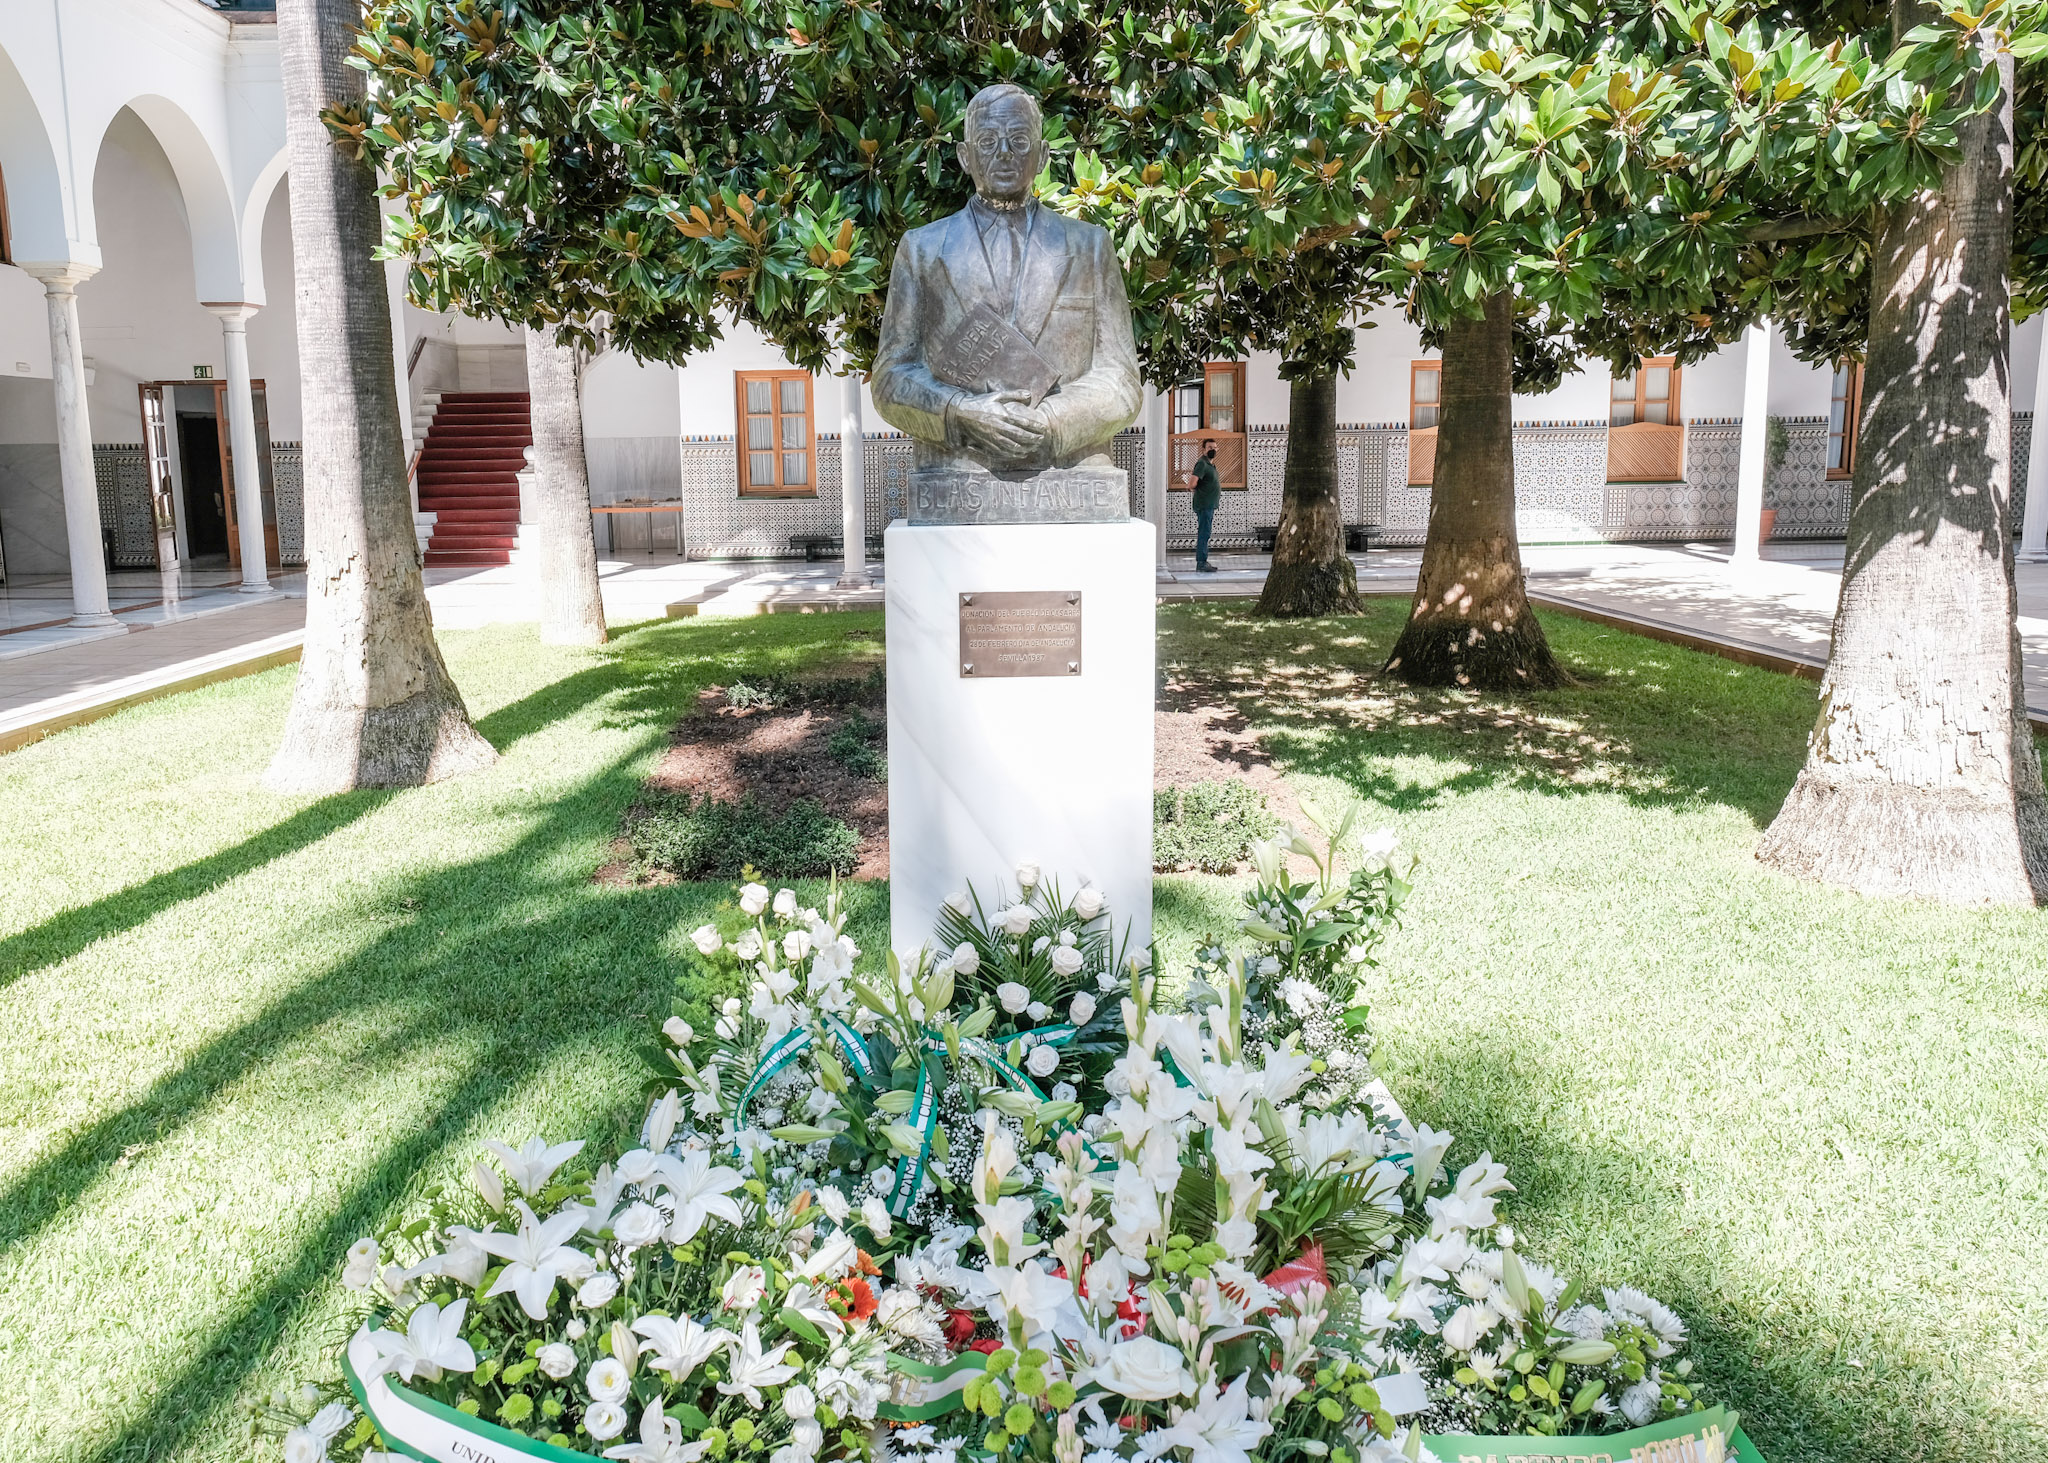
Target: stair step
x=518, y=396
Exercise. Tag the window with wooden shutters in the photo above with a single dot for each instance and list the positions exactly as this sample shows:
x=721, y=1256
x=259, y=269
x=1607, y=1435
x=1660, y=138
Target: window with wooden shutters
x=1645, y=434
x=1425, y=402
x=1212, y=407
x=1845, y=403
x=777, y=448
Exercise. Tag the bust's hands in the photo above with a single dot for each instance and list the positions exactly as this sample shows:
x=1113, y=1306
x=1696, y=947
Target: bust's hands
x=1002, y=422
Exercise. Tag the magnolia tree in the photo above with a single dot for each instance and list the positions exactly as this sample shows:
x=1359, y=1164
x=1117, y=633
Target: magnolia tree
x=1921, y=774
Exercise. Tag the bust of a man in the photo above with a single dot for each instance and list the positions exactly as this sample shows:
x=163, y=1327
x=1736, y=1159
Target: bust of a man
x=1006, y=342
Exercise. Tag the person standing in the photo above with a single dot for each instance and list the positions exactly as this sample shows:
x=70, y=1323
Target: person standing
x=1208, y=498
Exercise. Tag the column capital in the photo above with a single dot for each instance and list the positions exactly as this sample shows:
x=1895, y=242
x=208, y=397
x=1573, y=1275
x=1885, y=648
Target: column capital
x=58, y=276
x=232, y=313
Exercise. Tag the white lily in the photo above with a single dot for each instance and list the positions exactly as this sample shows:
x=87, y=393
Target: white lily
x=661, y=1441
x=531, y=1167
x=752, y=1369
x=1219, y=1428
x=537, y=1257
x=807, y=1303
x=680, y=1346
x=700, y=1191
x=430, y=1344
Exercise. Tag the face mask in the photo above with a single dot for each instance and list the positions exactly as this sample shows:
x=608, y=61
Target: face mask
x=1210, y=454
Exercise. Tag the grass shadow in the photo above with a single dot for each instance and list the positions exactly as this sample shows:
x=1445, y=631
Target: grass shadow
x=1657, y=724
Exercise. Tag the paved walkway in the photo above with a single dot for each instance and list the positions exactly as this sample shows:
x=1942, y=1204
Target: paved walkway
x=197, y=629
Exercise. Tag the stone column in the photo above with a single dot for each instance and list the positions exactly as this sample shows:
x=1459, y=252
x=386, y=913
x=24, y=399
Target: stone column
x=1157, y=459
x=853, y=493
x=61, y=280
x=1756, y=430
x=2034, y=522
x=234, y=329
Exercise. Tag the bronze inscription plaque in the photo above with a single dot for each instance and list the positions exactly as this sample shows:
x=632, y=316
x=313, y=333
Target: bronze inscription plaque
x=1033, y=632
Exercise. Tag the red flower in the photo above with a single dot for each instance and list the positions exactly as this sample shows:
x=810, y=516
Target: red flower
x=987, y=1346
x=959, y=1328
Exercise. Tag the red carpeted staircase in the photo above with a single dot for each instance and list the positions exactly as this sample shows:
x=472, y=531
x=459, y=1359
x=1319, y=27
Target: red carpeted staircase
x=468, y=476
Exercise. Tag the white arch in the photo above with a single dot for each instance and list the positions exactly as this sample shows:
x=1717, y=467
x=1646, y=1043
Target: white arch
x=36, y=213
x=218, y=267
x=255, y=208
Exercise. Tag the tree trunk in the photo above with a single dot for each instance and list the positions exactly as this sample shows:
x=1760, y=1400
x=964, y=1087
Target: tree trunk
x=1310, y=574
x=374, y=705
x=571, y=605
x=1471, y=624
x=1921, y=776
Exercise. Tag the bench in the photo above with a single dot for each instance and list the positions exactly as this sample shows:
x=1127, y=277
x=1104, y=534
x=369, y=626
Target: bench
x=1358, y=537
x=820, y=546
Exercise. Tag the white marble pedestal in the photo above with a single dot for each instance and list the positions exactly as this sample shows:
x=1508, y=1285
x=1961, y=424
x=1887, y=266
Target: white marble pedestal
x=984, y=772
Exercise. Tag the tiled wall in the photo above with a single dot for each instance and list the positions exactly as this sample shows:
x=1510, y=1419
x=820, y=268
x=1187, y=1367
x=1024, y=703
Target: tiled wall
x=122, y=476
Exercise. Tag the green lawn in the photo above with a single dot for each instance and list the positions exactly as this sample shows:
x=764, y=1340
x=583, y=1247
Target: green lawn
x=238, y=1028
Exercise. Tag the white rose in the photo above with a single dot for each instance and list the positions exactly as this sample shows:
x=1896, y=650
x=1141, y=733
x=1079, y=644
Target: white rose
x=707, y=939
x=1038, y=1010
x=1145, y=1370
x=607, y=1381
x=597, y=1292
x=753, y=899
x=303, y=1445
x=575, y=1330
x=959, y=903
x=807, y=1436
x=799, y=1401
x=1082, y=1011
x=875, y=1214
x=1013, y=997
x=679, y=1031
x=605, y=1420
x=556, y=1360
x=1066, y=960
x=1027, y=874
x=1016, y=920
x=795, y=945
x=1043, y=1061
x=1089, y=902
x=834, y=1204
x=785, y=903
x=965, y=958
x=641, y=1224
x=1038, y=945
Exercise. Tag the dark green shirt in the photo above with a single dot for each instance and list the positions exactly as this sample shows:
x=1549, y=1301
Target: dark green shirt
x=1208, y=486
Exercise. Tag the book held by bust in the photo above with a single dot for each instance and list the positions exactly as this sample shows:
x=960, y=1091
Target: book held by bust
x=987, y=353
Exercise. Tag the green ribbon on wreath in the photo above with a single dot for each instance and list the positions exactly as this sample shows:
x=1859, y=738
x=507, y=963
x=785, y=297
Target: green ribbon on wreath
x=794, y=1045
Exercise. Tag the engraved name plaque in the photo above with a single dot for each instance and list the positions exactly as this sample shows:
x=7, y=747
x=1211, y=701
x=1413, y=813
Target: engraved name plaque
x=1020, y=633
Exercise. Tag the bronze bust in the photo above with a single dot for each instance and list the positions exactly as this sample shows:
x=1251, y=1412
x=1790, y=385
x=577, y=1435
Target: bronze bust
x=1006, y=345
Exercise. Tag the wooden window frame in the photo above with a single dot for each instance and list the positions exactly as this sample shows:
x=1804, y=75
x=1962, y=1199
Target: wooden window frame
x=1852, y=411
x=1233, y=447
x=747, y=489
x=1422, y=440
x=1674, y=418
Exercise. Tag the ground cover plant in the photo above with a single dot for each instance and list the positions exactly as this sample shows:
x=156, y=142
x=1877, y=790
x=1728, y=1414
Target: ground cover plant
x=1210, y=825
x=242, y=1032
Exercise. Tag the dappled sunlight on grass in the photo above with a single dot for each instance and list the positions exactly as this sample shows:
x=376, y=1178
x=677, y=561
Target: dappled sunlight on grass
x=1810, y=1120
x=250, y=1026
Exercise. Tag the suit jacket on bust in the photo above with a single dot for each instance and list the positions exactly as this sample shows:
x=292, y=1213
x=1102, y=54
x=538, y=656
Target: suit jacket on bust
x=1068, y=300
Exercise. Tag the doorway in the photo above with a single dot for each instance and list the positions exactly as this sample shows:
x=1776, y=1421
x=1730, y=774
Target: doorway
x=206, y=510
